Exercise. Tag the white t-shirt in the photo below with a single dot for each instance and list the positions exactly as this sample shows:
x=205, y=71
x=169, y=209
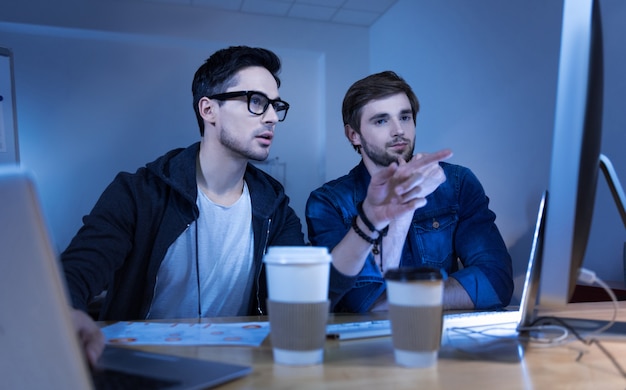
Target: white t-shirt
x=224, y=257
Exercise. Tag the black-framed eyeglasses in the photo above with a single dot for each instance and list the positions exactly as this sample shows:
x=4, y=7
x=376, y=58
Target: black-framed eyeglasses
x=258, y=102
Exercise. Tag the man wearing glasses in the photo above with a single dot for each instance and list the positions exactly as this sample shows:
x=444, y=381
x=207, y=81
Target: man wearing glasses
x=184, y=236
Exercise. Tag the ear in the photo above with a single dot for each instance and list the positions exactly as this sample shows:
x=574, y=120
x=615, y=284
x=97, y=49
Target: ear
x=352, y=135
x=208, y=109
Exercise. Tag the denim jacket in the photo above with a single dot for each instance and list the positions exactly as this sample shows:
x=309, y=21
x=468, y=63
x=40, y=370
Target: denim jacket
x=455, y=231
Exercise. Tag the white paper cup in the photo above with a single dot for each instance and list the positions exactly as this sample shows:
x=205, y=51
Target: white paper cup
x=415, y=297
x=297, y=282
x=297, y=273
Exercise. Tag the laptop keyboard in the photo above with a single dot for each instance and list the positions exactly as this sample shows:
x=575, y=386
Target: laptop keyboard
x=479, y=318
x=118, y=380
x=366, y=329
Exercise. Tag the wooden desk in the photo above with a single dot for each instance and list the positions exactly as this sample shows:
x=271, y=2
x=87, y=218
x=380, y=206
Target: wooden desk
x=369, y=363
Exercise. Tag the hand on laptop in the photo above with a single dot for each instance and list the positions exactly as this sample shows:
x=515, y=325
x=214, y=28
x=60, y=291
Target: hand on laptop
x=89, y=334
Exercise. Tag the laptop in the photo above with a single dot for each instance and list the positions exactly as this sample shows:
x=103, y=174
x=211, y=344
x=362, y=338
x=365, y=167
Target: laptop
x=510, y=321
x=39, y=346
x=524, y=316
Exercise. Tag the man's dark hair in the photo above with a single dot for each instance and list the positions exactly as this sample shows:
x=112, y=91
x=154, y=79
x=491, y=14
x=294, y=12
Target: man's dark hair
x=374, y=87
x=218, y=72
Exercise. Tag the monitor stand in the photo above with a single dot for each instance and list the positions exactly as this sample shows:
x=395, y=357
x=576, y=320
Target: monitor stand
x=616, y=188
x=584, y=293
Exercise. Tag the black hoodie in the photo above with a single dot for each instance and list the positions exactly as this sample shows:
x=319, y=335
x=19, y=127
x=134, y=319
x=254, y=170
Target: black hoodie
x=126, y=235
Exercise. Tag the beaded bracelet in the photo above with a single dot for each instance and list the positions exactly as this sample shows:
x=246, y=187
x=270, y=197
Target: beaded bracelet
x=368, y=223
x=364, y=236
x=378, y=241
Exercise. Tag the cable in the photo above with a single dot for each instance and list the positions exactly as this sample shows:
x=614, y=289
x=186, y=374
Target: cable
x=492, y=332
x=589, y=277
x=562, y=335
x=561, y=329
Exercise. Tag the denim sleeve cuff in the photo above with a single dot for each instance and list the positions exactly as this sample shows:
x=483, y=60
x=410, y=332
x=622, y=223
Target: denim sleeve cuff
x=339, y=285
x=478, y=288
x=339, y=281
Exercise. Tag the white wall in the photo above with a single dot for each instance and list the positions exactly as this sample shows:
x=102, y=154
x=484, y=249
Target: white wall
x=485, y=72
x=107, y=87
x=103, y=86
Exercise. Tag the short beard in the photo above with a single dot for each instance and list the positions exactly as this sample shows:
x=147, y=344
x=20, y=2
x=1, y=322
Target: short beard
x=380, y=156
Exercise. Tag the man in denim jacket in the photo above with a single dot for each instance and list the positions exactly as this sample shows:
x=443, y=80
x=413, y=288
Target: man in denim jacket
x=399, y=209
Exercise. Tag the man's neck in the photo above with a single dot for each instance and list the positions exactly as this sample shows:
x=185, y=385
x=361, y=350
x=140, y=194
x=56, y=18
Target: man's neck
x=371, y=166
x=219, y=178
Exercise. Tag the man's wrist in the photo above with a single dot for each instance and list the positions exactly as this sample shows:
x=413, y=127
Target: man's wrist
x=379, y=228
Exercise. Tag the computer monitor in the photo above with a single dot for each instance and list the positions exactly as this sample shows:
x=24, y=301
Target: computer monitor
x=576, y=156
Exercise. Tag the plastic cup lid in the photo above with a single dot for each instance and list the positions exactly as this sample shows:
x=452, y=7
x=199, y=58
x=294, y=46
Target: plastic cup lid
x=297, y=255
x=407, y=274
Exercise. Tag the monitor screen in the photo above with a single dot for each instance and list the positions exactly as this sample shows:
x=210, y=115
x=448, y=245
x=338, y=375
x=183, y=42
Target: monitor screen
x=575, y=151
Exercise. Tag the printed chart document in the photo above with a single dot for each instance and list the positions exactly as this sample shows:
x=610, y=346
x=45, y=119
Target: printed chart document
x=180, y=333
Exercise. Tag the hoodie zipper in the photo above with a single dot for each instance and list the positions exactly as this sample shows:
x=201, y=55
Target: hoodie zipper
x=258, y=276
